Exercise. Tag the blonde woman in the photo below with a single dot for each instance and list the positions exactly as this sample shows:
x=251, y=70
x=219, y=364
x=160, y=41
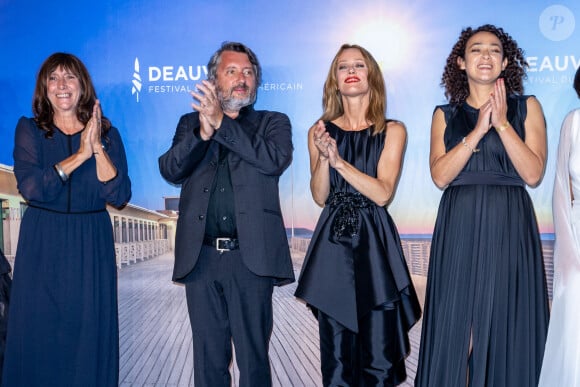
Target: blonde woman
x=354, y=276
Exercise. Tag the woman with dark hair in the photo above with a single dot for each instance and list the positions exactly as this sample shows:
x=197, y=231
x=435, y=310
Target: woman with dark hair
x=561, y=366
x=486, y=308
x=354, y=276
x=69, y=162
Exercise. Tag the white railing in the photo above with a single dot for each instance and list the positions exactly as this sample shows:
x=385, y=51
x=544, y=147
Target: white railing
x=131, y=252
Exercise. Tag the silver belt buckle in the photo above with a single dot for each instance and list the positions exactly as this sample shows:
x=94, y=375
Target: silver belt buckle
x=217, y=244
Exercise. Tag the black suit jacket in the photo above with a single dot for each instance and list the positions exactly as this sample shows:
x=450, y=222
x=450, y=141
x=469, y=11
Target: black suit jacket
x=260, y=144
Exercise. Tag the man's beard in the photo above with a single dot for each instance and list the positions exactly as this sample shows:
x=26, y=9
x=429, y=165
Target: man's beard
x=233, y=104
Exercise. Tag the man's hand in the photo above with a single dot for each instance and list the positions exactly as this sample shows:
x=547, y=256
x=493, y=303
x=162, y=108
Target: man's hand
x=208, y=104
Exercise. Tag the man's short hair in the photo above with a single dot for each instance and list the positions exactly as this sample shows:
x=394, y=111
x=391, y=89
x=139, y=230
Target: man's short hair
x=236, y=47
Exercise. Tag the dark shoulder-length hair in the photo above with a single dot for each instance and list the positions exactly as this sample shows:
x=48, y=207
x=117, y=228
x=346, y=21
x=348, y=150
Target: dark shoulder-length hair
x=332, y=99
x=454, y=80
x=41, y=106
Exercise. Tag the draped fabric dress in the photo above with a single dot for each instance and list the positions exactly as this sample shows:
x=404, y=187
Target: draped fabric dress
x=63, y=325
x=561, y=365
x=486, y=287
x=355, y=262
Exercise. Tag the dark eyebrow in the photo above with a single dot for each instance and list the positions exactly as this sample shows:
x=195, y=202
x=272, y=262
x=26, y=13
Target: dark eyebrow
x=480, y=44
x=233, y=66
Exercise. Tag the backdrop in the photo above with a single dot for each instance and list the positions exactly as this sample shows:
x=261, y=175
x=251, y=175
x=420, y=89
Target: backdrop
x=145, y=56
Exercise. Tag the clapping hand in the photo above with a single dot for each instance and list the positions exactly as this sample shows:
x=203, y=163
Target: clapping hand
x=209, y=108
x=498, y=101
x=91, y=135
x=321, y=139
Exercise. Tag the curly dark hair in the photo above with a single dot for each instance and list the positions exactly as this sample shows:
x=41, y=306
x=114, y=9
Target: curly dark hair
x=454, y=80
x=41, y=106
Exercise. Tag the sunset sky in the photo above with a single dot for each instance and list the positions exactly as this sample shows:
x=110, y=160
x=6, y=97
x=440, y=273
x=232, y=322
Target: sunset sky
x=145, y=56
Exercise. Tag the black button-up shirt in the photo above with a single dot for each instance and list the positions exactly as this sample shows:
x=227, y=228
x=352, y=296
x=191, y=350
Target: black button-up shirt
x=221, y=217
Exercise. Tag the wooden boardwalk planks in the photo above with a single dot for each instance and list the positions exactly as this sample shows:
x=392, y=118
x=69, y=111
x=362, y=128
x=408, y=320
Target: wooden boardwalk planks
x=155, y=335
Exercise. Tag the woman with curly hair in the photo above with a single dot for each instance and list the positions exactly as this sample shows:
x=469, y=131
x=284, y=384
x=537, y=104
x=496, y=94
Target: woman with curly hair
x=486, y=308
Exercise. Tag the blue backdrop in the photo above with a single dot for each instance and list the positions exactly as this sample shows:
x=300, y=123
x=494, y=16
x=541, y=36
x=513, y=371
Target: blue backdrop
x=145, y=56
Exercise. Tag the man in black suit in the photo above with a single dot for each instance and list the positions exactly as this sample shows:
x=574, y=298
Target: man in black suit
x=231, y=246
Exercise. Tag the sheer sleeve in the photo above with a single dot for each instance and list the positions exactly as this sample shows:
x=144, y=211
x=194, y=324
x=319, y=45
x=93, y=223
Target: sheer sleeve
x=117, y=191
x=36, y=181
x=566, y=249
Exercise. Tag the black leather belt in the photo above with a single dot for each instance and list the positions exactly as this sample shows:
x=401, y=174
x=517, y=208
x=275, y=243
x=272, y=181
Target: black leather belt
x=222, y=244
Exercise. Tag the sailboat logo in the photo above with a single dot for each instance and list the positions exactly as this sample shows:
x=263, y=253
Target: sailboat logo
x=136, y=90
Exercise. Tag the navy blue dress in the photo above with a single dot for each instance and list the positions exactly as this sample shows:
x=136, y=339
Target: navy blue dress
x=355, y=262
x=63, y=324
x=486, y=287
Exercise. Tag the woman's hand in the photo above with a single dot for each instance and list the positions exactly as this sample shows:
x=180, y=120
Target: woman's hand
x=498, y=101
x=322, y=139
x=95, y=128
x=334, y=158
x=91, y=135
x=484, y=119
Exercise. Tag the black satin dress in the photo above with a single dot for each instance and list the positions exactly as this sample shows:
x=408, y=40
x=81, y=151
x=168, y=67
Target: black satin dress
x=486, y=281
x=355, y=262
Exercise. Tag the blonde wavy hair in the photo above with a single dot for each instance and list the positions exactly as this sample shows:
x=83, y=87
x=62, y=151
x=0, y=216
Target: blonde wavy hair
x=332, y=99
